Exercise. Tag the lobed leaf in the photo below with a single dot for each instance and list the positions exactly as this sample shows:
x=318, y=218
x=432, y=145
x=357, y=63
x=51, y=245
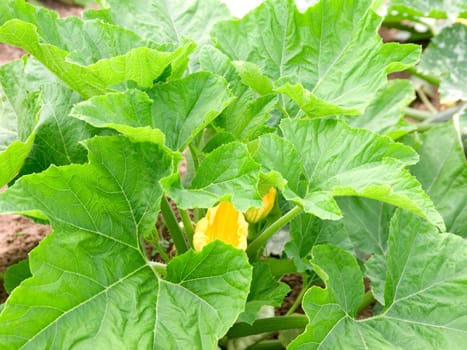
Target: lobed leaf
x=325, y=69
x=227, y=173
x=409, y=319
x=384, y=114
x=175, y=112
x=340, y=161
x=98, y=56
x=165, y=21
x=93, y=267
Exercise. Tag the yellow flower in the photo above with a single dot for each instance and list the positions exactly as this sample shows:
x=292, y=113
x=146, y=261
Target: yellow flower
x=224, y=223
x=255, y=215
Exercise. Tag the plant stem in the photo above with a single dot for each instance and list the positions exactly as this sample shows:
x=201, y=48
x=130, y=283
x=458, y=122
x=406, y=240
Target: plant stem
x=283, y=111
x=266, y=325
x=189, y=231
x=172, y=224
x=368, y=299
x=194, y=156
x=429, y=78
x=306, y=284
x=155, y=241
x=267, y=345
x=445, y=115
x=160, y=269
x=426, y=101
x=261, y=240
x=417, y=114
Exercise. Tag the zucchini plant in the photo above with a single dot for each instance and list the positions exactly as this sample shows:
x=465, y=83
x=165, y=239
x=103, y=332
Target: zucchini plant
x=284, y=120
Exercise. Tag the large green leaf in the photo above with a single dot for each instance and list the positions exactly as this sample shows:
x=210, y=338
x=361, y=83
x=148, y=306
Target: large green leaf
x=19, y=115
x=227, y=173
x=420, y=313
x=445, y=57
x=429, y=8
x=331, y=54
x=89, y=56
x=384, y=114
x=341, y=161
x=442, y=171
x=179, y=109
x=91, y=274
x=166, y=21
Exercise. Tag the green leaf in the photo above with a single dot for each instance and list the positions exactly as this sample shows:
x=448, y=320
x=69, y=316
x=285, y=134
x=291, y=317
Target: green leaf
x=247, y=116
x=91, y=273
x=168, y=21
x=327, y=53
x=16, y=274
x=340, y=161
x=384, y=114
x=367, y=223
x=445, y=58
x=227, y=173
x=19, y=115
x=89, y=56
x=58, y=136
x=429, y=8
x=276, y=153
x=252, y=76
x=176, y=111
x=307, y=231
x=264, y=290
x=202, y=297
x=442, y=172
x=40, y=104
x=409, y=319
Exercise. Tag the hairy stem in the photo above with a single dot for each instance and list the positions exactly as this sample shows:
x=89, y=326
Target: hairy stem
x=428, y=78
x=417, y=114
x=160, y=269
x=266, y=325
x=258, y=243
x=172, y=224
x=189, y=231
x=368, y=299
x=307, y=282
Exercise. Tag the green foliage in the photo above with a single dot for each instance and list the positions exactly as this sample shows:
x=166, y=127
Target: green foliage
x=264, y=290
x=445, y=57
x=430, y=8
x=442, y=172
x=324, y=73
x=409, y=319
x=96, y=124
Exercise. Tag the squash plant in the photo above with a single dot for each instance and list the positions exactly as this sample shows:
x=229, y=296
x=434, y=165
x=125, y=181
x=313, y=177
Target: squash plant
x=285, y=118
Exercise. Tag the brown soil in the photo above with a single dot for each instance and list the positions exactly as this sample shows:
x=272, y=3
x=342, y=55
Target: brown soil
x=294, y=280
